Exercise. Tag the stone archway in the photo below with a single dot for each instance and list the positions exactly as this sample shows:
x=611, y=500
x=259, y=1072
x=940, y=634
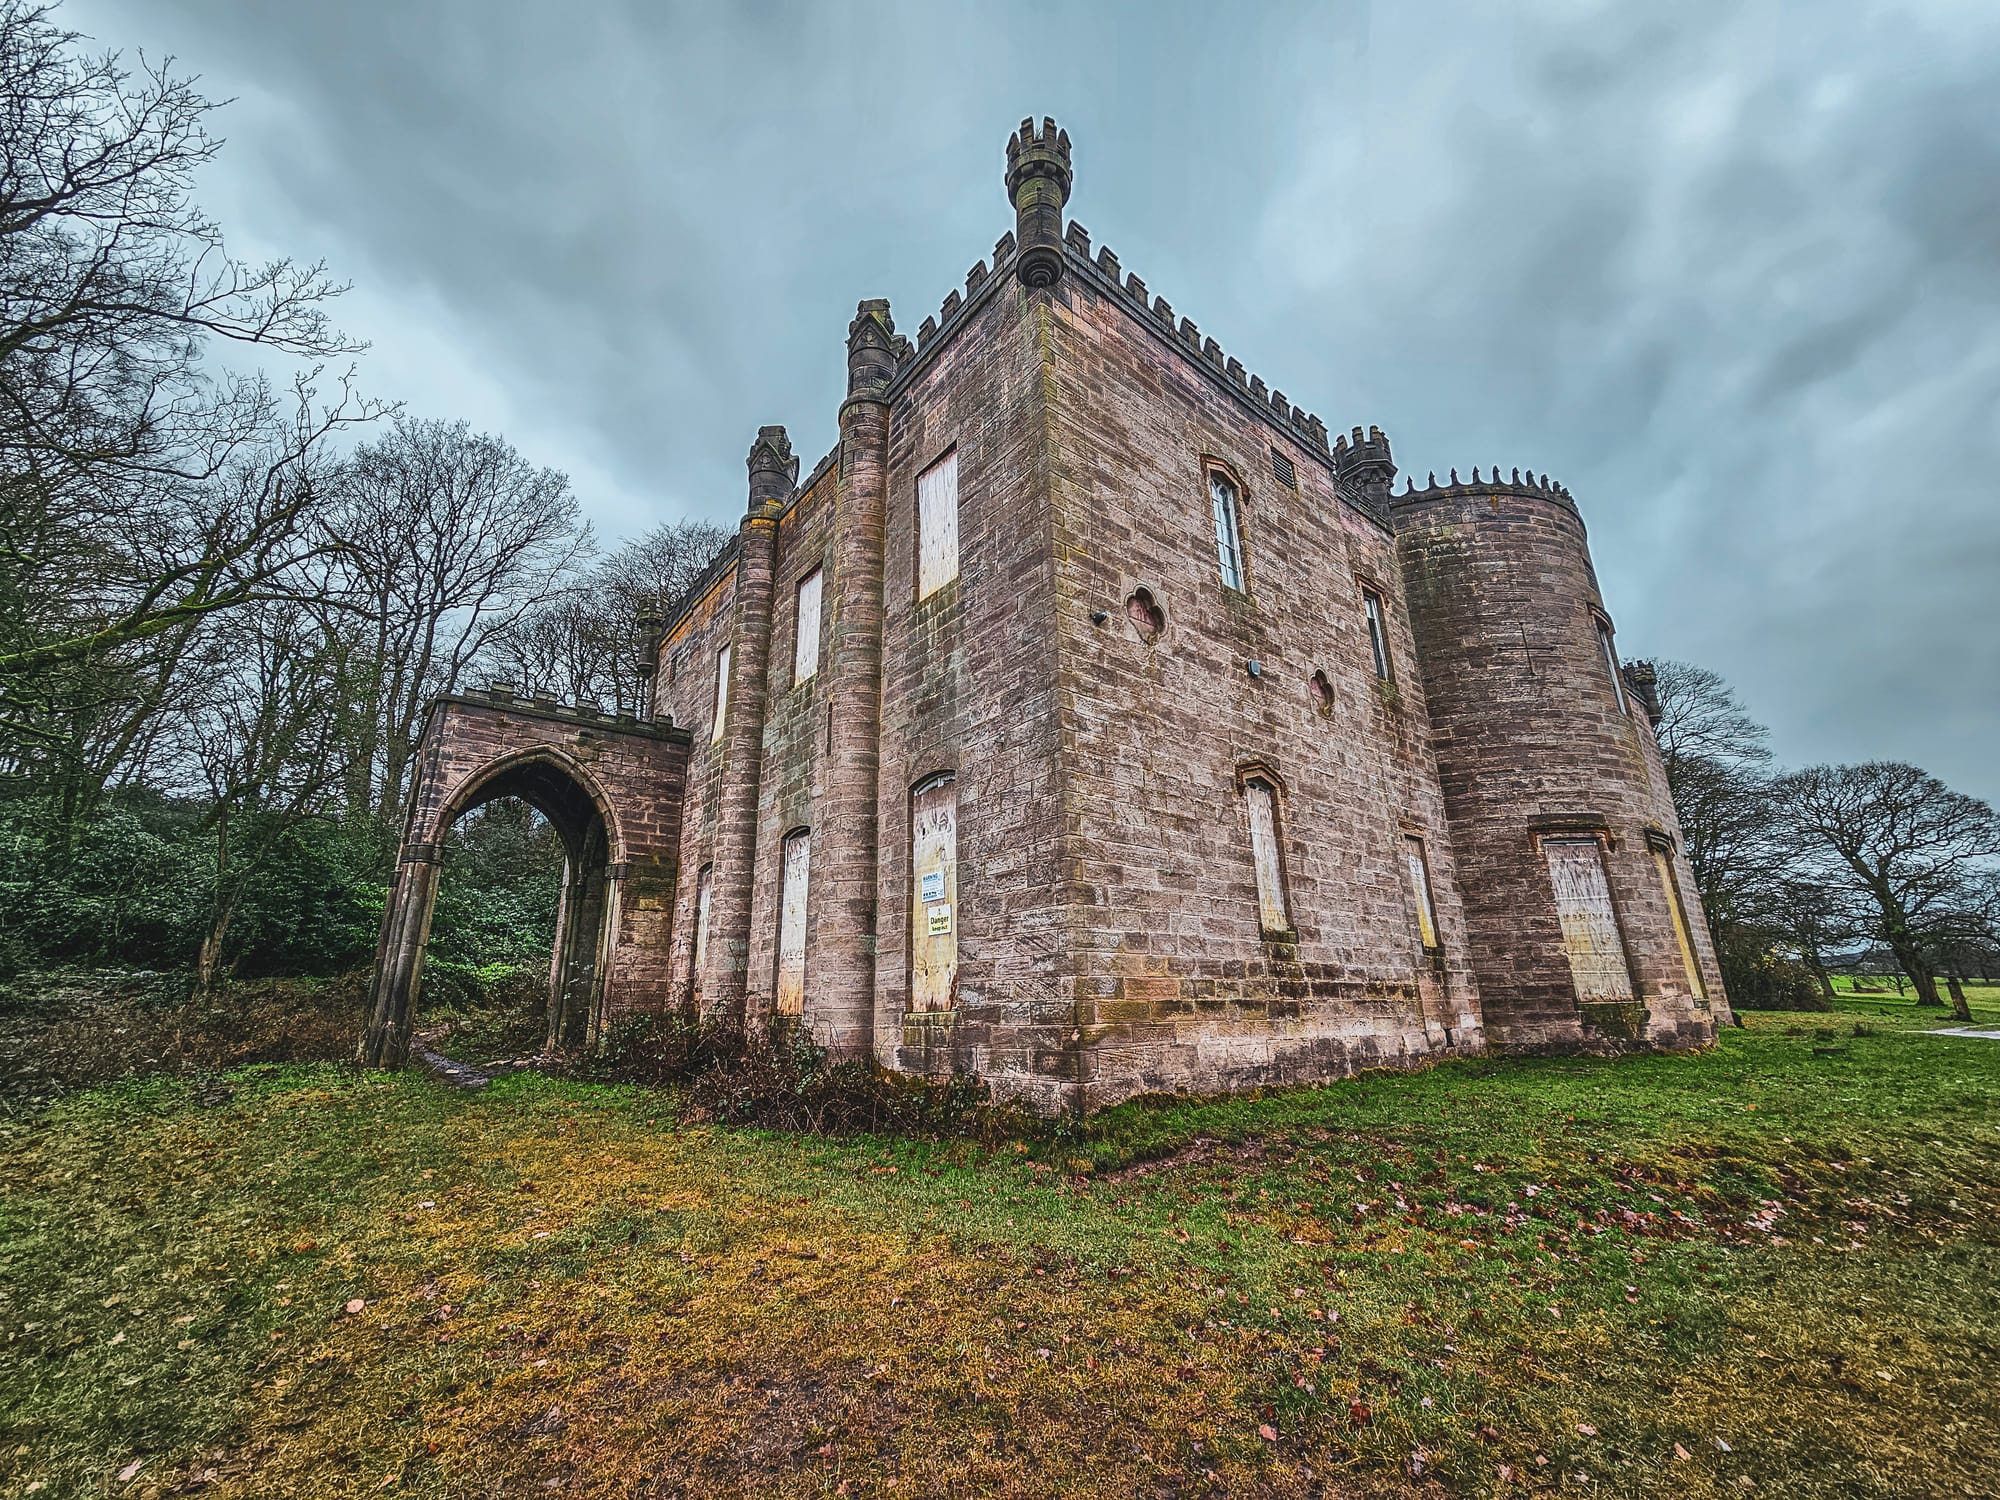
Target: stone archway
x=610, y=788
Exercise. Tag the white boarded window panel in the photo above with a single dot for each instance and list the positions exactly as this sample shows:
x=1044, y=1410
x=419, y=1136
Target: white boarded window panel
x=1262, y=799
x=1589, y=924
x=721, y=694
x=1420, y=885
x=703, y=887
x=937, y=525
x=1228, y=530
x=805, y=651
x=792, y=926
x=934, y=897
x=1664, y=863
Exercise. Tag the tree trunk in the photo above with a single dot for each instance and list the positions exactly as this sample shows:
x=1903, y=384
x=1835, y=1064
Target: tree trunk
x=1923, y=979
x=1819, y=972
x=208, y=957
x=1959, y=1008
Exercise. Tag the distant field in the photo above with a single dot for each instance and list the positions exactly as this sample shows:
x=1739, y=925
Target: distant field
x=1883, y=996
x=1773, y=1268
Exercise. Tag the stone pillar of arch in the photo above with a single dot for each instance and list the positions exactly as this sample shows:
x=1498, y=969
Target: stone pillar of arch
x=612, y=789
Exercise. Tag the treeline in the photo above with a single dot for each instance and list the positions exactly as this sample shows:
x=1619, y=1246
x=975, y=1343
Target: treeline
x=1800, y=871
x=227, y=598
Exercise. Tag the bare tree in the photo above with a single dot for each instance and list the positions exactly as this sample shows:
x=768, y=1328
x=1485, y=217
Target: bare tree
x=448, y=541
x=1919, y=853
x=111, y=284
x=1717, y=762
x=584, y=645
x=140, y=492
x=266, y=750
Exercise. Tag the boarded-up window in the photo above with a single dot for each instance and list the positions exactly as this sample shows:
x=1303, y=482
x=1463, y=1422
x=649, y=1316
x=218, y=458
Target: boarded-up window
x=1222, y=500
x=1420, y=887
x=1261, y=801
x=792, y=925
x=934, y=895
x=1589, y=924
x=704, y=884
x=1663, y=861
x=1378, y=634
x=1611, y=665
x=805, y=645
x=721, y=693
x=937, y=525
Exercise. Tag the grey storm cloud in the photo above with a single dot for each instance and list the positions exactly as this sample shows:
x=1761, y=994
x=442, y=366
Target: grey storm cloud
x=1730, y=271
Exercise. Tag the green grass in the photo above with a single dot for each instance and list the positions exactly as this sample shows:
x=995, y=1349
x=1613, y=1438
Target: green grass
x=1489, y=1278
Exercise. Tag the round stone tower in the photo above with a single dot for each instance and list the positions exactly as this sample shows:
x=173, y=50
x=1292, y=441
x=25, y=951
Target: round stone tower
x=1580, y=907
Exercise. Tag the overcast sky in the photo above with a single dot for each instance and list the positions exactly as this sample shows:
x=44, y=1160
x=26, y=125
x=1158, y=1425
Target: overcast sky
x=1730, y=271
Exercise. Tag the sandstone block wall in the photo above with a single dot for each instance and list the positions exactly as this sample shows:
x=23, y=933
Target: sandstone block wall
x=1531, y=742
x=1177, y=988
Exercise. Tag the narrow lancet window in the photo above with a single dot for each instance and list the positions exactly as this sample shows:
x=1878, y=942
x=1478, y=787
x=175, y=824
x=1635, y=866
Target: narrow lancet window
x=792, y=924
x=1420, y=886
x=721, y=694
x=1260, y=799
x=1611, y=665
x=1378, y=634
x=1228, y=529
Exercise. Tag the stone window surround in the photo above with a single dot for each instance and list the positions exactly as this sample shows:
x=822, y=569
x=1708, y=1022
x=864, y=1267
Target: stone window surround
x=1215, y=463
x=1248, y=771
x=1607, y=648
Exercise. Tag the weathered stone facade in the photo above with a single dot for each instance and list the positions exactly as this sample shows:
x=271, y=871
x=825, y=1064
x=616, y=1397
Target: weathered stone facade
x=1105, y=627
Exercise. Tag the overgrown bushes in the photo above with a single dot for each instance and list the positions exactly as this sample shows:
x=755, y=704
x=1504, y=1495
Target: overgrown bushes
x=1759, y=979
x=785, y=1082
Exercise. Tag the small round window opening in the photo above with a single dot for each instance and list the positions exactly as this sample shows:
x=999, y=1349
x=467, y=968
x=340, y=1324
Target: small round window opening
x=1321, y=692
x=1147, y=616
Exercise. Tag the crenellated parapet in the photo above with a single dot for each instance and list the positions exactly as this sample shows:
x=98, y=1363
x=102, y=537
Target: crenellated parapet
x=1529, y=487
x=507, y=695
x=1155, y=310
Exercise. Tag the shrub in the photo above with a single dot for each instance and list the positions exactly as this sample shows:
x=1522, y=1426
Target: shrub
x=1760, y=979
x=783, y=1081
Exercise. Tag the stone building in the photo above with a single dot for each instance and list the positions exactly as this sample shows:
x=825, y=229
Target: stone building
x=1090, y=721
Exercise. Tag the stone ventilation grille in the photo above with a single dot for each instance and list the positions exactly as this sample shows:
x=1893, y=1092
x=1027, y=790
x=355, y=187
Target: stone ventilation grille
x=1542, y=487
x=1306, y=427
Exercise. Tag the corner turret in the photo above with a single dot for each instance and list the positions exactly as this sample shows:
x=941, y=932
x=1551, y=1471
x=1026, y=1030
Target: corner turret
x=1365, y=464
x=1038, y=181
x=774, y=471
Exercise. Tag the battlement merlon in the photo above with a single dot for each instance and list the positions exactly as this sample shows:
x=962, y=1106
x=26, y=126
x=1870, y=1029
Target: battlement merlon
x=1531, y=487
x=1039, y=178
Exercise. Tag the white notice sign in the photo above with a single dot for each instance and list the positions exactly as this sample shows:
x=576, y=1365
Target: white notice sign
x=940, y=920
x=933, y=884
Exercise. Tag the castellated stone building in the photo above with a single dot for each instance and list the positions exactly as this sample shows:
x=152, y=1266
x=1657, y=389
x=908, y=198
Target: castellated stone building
x=1088, y=721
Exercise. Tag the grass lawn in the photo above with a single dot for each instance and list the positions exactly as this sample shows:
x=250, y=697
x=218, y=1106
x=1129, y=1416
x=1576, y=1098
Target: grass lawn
x=1773, y=1268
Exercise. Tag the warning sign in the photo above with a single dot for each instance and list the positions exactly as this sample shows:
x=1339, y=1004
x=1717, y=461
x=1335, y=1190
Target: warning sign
x=940, y=920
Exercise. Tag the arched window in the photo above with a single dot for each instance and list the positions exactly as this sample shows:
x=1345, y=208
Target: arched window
x=797, y=865
x=1260, y=803
x=1225, y=502
x=934, y=893
x=704, y=886
x=1610, y=653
